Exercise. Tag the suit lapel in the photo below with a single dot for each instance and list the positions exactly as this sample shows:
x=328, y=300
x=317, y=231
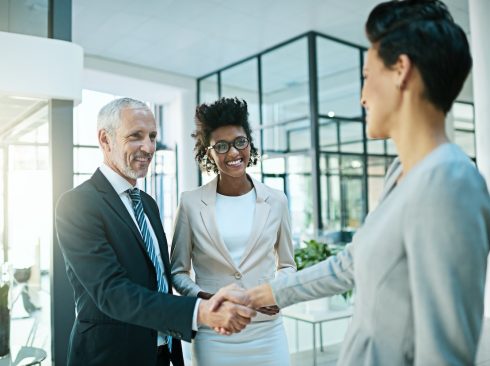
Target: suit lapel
x=262, y=210
x=208, y=216
x=114, y=201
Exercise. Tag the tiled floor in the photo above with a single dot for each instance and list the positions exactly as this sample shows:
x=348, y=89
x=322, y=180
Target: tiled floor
x=329, y=356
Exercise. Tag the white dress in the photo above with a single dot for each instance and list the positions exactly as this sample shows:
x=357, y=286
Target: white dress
x=260, y=343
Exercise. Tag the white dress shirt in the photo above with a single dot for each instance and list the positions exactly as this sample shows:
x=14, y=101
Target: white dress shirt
x=234, y=217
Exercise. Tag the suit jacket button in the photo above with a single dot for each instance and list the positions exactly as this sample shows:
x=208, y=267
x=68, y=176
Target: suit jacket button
x=238, y=275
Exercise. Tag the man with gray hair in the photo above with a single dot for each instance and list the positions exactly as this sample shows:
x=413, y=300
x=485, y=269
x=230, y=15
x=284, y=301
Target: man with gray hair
x=116, y=257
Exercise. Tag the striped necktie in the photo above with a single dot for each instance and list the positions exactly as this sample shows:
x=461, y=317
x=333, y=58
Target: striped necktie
x=150, y=248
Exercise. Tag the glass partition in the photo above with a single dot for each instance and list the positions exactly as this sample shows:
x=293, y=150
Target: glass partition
x=464, y=127
x=208, y=89
x=304, y=104
x=26, y=223
x=339, y=79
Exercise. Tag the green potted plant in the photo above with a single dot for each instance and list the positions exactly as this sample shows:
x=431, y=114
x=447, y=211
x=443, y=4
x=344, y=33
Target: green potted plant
x=4, y=315
x=314, y=252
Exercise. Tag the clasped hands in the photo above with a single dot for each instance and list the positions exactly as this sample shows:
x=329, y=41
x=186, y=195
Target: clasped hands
x=232, y=308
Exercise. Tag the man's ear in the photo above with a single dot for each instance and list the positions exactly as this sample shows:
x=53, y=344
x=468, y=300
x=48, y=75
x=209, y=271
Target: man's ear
x=104, y=140
x=403, y=67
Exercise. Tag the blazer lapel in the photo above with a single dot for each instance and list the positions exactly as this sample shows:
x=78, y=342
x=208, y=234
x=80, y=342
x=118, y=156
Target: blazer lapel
x=114, y=201
x=262, y=210
x=208, y=216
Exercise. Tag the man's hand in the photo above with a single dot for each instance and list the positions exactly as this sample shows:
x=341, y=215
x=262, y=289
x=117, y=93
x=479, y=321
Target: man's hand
x=229, y=318
x=256, y=297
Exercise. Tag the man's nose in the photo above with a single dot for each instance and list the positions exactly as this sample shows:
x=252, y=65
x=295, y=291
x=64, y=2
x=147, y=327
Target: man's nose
x=149, y=145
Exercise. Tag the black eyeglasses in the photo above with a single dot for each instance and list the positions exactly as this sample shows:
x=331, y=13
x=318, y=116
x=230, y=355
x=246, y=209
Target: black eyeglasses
x=222, y=146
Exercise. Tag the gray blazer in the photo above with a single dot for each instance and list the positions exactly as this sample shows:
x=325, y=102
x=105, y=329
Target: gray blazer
x=418, y=264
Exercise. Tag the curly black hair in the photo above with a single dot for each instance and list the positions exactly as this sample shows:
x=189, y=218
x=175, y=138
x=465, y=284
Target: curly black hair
x=209, y=117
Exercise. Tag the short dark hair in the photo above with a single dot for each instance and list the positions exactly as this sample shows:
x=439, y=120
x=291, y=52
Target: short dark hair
x=425, y=31
x=209, y=117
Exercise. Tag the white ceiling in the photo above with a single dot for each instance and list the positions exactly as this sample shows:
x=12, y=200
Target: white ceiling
x=195, y=37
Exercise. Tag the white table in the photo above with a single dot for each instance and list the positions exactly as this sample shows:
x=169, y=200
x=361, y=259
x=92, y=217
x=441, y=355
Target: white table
x=314, y=317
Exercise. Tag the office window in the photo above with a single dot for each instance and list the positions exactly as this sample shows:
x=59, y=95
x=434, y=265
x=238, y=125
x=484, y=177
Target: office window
x=208, y=89
x=241, y=81
x=339, y=79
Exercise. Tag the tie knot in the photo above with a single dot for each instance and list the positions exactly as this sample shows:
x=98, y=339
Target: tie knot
x=135, y=195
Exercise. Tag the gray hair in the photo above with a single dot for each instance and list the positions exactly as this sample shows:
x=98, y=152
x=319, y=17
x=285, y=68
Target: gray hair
x=109, y=117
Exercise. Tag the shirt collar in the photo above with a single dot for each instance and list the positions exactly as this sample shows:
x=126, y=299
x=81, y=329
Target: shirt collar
x=119, y=184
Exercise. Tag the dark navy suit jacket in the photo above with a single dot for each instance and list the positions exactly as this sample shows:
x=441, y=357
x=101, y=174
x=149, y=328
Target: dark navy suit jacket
x=118, y=308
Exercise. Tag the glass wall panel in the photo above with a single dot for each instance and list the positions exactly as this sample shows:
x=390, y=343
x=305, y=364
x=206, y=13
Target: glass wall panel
x=285, y=83
x=163, y=186
x=2, y=193
x=299, y=192
x=328, y=135
x=287, y=137
x=464, y=127
x=242, y=81
x=342, y=192
x=28, y=229
x=339, y=79
x=330, y=192
x=376, y=146
x=391, y=148
x=351, y=137
x=286, y=144
x=86, y=159
x=274, y=172
x=351, y=191
x=24, y=17
x=208, y=89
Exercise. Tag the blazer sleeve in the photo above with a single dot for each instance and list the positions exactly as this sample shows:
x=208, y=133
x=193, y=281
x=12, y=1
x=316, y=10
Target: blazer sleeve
x=335, y=275
x=284, y=245
x=91, y=260
x=446, y=239
x=181, y=253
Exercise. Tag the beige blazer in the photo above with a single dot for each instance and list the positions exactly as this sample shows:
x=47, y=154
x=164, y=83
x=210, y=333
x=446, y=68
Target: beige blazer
x=197, y=243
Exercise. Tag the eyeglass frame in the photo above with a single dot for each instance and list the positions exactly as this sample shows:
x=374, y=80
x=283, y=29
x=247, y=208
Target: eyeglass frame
x=230, y=144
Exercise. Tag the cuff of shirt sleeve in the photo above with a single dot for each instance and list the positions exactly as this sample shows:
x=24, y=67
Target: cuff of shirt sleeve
x=194, y=317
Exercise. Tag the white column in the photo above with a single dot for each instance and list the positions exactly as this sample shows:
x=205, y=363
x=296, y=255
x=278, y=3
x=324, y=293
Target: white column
x=479, y=12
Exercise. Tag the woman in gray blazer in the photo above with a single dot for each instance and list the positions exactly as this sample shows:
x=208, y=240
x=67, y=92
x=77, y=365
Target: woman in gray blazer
x=232, y=230
x=419, y=260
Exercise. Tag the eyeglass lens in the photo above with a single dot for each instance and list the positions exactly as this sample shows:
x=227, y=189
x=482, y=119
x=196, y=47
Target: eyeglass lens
x=239, y=143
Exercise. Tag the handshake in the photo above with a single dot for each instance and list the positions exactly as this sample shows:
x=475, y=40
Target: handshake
x=232, y=308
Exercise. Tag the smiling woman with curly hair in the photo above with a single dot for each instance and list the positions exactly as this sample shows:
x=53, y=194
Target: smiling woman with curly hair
x=233, y=230
x=224, y=112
